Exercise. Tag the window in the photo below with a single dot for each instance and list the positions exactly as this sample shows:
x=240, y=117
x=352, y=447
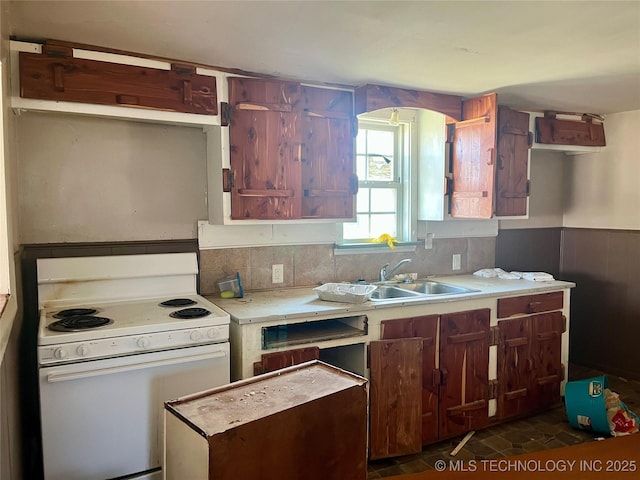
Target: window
x=383, y=166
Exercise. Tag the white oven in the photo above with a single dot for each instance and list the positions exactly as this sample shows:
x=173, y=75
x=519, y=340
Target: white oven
x=112, y=348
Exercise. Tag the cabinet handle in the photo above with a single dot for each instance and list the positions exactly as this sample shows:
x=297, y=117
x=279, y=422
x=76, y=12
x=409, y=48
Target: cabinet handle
x=187, y=94
x=58, y=77
x=490, y=160
x=444, y=375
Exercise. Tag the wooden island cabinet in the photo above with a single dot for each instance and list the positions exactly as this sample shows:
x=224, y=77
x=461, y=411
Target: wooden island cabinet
x=308, y=421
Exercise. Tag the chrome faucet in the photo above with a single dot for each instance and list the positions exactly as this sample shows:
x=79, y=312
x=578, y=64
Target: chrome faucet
x=383, y=271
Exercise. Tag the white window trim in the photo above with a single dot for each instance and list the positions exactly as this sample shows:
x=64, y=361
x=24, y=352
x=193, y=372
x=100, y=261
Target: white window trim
x=408, y=202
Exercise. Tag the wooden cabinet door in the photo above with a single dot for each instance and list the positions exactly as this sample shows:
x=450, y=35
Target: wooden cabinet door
x=516, y=371
x=90, y=81
x=546, y=347
x=329, y=183
x=512, y=182
x=426, y=328
x=464, y=360
x=473, y=158
x=265, y=149
x=394, y=395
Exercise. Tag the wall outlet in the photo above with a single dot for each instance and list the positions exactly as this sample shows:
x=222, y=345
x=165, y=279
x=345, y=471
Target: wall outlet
x=455, y=262
x=277, y=273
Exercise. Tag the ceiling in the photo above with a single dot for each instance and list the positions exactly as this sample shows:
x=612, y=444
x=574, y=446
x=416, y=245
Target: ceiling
x=570, y=56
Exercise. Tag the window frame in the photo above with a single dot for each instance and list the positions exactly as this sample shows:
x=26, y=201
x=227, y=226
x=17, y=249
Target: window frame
x=406, y=153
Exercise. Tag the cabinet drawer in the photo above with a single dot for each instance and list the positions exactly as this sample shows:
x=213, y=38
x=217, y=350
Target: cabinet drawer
x=527, y=304
x=90, y=81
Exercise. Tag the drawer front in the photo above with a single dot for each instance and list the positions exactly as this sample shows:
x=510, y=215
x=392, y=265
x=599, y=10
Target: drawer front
x=527, y=304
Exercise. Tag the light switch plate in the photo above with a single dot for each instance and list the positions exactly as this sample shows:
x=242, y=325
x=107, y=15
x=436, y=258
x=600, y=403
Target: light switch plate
x=455, y=262
x=277, y=273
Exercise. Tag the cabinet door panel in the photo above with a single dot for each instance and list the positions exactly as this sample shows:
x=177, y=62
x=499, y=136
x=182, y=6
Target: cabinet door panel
x=547, y=347
x=265, y=149
x=473, y=159
x=106, y=83
x=512, y=162
x=516, y=371
x=425, y=328
x=395, y=410
x=328, y=179
x=464, y=360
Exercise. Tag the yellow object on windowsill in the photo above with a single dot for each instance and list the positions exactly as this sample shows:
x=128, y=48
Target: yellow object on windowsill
x=386, y=238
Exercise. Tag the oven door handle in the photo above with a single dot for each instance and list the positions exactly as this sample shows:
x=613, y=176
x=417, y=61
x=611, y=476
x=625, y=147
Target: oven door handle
x=94, y=372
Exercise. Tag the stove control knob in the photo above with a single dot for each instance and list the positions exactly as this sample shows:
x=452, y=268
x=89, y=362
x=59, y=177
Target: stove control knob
x=60, y=353
x=195, y=336
x=143, y=342
x=212, y=333
x=82, y=350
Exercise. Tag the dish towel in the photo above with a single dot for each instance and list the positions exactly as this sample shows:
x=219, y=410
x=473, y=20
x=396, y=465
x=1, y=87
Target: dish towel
x=500, y=273
x=535, y=276
x=496, y=272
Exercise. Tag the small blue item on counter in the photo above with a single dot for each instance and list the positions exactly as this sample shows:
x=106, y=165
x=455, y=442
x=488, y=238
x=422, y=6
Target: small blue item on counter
x=231, y=286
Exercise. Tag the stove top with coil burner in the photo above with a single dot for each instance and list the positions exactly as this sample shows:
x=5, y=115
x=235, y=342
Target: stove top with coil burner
x=122, y=304
x=78, y=323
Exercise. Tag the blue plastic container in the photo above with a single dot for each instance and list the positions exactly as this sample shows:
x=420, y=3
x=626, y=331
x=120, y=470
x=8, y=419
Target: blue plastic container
x=585, y=404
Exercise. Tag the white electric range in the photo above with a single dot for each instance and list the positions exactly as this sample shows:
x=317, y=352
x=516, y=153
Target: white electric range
x=118, y=336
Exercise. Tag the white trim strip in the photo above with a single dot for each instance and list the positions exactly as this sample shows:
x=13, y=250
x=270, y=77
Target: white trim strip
x=122, y=59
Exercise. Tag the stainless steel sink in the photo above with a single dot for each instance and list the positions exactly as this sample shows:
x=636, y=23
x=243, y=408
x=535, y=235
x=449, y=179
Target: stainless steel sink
x=418, y=289
x=386, y=292
x=430, y=287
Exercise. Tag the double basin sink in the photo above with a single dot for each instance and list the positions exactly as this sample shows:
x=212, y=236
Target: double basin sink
x=416, y=289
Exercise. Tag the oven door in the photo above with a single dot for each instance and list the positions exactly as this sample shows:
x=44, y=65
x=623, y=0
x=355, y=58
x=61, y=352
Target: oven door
x=103, y=418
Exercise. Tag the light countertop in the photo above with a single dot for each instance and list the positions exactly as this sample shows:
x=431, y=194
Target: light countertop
x=302, y=302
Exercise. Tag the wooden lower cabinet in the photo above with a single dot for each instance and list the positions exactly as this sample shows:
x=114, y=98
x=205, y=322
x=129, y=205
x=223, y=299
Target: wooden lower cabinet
x=529, y=363
x=429, y=380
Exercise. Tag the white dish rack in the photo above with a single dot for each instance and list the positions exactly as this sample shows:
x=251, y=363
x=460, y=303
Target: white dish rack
x=345, y=292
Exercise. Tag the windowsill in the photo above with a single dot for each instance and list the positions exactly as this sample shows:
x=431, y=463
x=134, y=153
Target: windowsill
x=368, y=248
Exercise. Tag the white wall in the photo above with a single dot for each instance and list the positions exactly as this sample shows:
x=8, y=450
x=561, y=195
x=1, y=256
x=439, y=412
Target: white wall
x=87, y=179
x=602, y=190
x=545, y=199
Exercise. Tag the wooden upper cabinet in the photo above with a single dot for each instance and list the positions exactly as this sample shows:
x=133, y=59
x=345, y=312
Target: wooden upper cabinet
x=512, y=169
x=553, y=131
x=65, y=78
x=473, y=158
x=265, y=149
x=291, y=151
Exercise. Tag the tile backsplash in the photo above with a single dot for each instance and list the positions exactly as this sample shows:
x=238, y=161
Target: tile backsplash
x=310, y=265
